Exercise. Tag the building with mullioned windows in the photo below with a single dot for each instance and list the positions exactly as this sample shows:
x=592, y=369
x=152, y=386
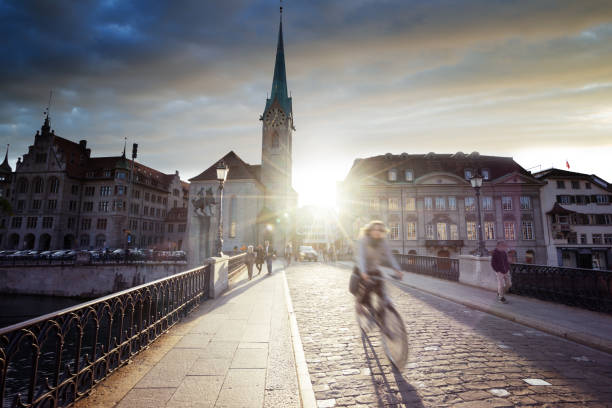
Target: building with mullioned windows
x=429, y=205
x=63, y=198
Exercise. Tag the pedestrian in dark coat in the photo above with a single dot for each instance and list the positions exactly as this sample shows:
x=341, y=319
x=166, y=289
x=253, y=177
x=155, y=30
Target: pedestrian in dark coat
x=269, y=255
x=501, y=266
x=259, y=258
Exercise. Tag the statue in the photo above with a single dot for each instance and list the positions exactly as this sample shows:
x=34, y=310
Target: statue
x=203, y=207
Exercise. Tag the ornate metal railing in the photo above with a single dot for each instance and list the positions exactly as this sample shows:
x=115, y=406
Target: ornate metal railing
x=56, y=359
x=587, y=288
x=235, y=264
x=443, y=268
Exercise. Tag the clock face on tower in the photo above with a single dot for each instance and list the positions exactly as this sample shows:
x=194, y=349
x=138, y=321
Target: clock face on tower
x=275, y=118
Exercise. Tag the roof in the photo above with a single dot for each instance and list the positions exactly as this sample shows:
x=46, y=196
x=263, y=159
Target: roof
x=279, y=82
x=5, y=167
x=238, y=169
x=554, y=173
x=559, y=210
x=422, y=164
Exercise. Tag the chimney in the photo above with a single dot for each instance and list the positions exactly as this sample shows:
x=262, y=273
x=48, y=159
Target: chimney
x=83, y=144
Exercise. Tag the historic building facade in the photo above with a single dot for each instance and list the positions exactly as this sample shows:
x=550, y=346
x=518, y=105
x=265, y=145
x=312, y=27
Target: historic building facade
x=64, y=198
x=259, y=200
x=577, y=209
x=429, y=205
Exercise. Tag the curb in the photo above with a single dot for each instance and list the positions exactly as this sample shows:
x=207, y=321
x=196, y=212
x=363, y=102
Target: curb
x=304, y=384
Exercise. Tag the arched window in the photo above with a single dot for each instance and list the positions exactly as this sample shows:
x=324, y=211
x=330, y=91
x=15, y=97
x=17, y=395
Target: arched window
x=233, y=222
x=38, y=185
x=54, y=184
x=84, y=241
x=100, y=241
x=22, y=185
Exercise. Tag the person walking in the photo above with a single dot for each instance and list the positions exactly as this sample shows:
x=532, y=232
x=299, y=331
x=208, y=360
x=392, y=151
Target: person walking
x=249, y=260
x=501, y=266
x=288, y=253
x=259, y=258
x=269, y=255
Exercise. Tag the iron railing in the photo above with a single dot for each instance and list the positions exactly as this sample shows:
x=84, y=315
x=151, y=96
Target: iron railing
x=443, y=268
x=56, y=359
x=586, y=288
x=235, y=263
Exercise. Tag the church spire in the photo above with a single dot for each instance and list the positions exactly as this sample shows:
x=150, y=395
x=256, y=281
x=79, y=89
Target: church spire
x=5, y=166
x=279, y=82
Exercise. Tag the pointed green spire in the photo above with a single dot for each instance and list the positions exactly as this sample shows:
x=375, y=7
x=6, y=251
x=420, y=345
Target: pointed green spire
x=279, y=82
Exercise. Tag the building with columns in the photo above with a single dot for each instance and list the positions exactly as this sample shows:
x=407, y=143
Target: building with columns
x=259, y=199
x=428, y=203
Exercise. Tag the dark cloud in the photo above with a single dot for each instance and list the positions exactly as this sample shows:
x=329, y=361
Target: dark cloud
x=194, y=74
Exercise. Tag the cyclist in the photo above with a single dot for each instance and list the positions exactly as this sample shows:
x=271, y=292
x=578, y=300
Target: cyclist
x=372, y=252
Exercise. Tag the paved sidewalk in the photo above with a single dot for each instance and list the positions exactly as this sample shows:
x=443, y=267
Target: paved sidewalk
x=235, y=351
x=582, y=326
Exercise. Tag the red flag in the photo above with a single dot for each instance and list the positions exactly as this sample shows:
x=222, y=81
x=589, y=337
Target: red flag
x=567, y=164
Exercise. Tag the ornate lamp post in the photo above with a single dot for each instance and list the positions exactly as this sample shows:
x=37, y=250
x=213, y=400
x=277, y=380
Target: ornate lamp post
x=477, y=183
x=222, y=170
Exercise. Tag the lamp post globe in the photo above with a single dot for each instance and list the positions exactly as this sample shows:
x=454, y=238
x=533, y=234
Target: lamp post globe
x=222, y=172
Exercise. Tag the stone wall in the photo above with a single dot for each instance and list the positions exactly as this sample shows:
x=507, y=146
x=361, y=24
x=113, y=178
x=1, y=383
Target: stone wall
x=83, y=281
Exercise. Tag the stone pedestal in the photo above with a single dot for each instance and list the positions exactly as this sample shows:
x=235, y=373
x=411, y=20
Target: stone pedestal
x=477, y=271
x=219, y=281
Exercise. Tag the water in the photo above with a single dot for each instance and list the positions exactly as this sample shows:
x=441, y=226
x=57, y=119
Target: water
x=19, y=308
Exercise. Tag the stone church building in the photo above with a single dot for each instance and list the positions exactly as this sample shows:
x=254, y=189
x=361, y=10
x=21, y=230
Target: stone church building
x=258, y=200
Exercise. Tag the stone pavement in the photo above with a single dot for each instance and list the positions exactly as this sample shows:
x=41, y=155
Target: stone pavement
x=582, y=326
x=459, y=356
x=235, y=351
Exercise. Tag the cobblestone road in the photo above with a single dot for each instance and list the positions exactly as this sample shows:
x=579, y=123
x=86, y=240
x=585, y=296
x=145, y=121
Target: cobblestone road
x=458, y=357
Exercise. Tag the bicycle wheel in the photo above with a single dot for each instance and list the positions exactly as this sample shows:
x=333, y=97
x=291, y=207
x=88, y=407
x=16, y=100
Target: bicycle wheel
x=364, y=318
x=395, y=339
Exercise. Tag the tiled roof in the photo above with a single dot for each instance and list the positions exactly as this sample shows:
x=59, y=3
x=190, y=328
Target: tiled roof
x=238, y=169
x=572, y=175
x=422, y=164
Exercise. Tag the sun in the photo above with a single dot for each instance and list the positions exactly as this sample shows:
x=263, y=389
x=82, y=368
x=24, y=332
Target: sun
x=316, y=184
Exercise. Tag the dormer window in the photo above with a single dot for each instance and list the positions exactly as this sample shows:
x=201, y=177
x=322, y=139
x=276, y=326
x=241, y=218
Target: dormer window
x=392, y=175
x=485, y=174
x=468, y=174
x=409, y=175
x=107, y=173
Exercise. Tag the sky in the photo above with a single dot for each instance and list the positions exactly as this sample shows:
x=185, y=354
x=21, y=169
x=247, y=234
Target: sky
x=188, y=80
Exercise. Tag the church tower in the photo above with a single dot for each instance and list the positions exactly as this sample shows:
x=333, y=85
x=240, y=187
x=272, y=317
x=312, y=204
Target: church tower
x=277, y=132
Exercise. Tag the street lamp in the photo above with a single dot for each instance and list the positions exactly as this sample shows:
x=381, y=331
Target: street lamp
x=222, y=170
x=477, y=183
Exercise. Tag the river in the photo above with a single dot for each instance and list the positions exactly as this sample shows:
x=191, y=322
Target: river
x=19, y=308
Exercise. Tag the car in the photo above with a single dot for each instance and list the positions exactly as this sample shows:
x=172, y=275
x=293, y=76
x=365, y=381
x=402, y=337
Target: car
x=19, y=255
x=307, y=253
x=57, y=255
x=45, y=254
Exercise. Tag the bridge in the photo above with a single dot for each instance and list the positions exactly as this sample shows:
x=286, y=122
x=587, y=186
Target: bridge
x=290, y=339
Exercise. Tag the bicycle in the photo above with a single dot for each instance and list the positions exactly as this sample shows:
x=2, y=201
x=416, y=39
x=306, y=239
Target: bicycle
x=393, y=331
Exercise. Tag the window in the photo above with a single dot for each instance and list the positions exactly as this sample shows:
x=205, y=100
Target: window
x=175, y=192
x=89, y=191
x=118, y=205
x=440, y=203
x=607, y=238
x=86, y=224
x=560, y=184
x=452, y=203
x=175, y=203
x=429, y=231
x=442, y=232
x=411, y=231
x=575, y=184
x=101, y=224
x=88, y=206
x=135, y=208
x=105, y=190
x=54, y=185
x=22, y=186
x=157, y=212
x=136, y=193
x=121, y=190
x=507, y=203
x=36, y=204
x=472, y=235
x=74, y=189
x=52, y=204
x=16, y=222
x=20, y=205
x=409, y=175
x=428, y=203
x=170, y=228
x=509, y=231
x=146, y=196
x=527, y=227
x=152, y=198
x=106, y=173
x=182, y=227
x=38, y=186
x=121, y=175
x=602, y=199
x=394, y=232
x=89, y=174
x=31, y=223
x=525, y=202
x=100, y=241
x=374, y=204
x=597, y=239
x=165, y=201
x=467, y=174
x=410, y=204
x=587, y=186
x=394, y=204
x=470, y=204
x=47, y=222
x=564, y=199
x=489, y=230
x=392, y=175
x=487, y=203
x=72, y=205
x=145, y=210
x=454, y=232
x=103, y=206
x=583, y=238
x=485, y=174
x=70, y=223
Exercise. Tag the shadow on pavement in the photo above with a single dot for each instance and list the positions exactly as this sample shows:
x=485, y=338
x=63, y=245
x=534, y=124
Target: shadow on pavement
x=387, y=394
